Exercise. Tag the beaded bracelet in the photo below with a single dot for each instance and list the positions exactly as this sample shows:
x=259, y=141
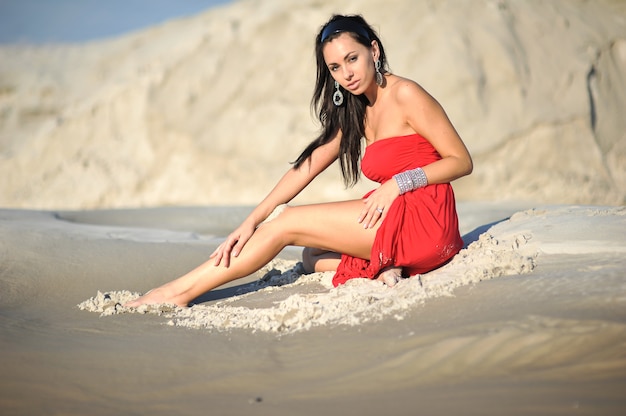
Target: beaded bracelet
x=410, y=180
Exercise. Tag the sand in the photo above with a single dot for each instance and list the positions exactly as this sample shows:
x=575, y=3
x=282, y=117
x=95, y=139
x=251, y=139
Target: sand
x=125, y=162
x=529, y=318
x=285, y=299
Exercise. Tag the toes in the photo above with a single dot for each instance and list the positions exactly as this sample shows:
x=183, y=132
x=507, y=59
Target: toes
x=391, y=277
x=391, y=280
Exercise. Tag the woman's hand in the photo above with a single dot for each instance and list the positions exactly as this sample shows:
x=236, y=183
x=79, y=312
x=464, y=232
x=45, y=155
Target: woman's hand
x=377, y=204
x=233, y=245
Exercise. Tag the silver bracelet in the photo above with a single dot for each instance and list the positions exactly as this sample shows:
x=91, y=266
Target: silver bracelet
x=410, y=180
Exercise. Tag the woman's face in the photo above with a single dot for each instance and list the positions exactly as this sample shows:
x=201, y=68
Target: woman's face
x=350, y=63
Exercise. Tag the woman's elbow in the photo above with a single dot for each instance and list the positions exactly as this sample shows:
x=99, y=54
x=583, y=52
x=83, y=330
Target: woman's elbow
x=465, y=165
x=469, y=166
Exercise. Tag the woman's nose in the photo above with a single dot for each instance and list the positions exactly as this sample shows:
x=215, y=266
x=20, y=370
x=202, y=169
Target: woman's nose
x=347, y=73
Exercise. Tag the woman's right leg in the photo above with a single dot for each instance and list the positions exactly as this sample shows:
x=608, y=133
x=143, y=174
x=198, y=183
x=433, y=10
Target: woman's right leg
x=316, y=260
x=390, y=276
x=332, y=227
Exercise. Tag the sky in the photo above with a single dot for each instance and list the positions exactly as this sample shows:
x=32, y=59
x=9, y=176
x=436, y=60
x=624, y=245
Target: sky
x=70, y=21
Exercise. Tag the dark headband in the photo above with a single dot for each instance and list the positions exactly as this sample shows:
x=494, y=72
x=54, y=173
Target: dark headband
x=343, y=25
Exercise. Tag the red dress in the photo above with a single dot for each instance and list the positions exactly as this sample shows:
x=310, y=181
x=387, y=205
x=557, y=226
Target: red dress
x=421, y=231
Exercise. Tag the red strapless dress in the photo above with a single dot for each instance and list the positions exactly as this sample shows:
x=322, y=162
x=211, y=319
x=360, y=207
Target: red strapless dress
x=421, y=231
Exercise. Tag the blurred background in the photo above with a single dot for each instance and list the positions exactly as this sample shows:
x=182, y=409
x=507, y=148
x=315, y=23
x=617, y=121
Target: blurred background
x=60, y=21
x=152, y=103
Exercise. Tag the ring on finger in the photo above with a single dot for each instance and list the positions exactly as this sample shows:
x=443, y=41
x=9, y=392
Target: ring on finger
x=380, y=210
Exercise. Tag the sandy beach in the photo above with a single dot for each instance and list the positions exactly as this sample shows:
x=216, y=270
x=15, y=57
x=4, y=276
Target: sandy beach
x=529, y=318
x=126, y=161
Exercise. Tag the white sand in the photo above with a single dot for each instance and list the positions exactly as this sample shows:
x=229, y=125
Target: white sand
x=285, y=300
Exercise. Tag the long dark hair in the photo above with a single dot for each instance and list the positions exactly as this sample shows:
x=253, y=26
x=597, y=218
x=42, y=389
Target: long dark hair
x=350, y=116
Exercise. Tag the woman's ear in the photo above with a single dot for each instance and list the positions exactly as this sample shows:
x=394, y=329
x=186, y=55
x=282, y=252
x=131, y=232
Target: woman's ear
x=375, y=50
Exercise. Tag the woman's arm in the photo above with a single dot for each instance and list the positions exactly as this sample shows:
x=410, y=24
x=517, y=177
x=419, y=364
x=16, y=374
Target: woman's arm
x=290, y=185
x=426, y=116
x=295, y=180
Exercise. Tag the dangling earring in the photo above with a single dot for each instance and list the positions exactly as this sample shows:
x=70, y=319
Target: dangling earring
x=337, y=96
x=379, y=75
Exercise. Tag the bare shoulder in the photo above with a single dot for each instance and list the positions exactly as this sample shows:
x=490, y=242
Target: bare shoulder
x=422, y=112
x=406, y=90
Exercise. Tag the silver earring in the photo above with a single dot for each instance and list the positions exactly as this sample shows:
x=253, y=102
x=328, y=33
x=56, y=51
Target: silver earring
x=379, y=75
x=337, y=96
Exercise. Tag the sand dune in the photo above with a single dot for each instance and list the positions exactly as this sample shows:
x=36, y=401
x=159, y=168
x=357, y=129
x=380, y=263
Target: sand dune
x=210, y=109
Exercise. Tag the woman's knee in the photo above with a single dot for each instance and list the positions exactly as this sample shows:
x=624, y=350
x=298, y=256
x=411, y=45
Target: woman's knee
x=288, y=226
x=277, y=226
x=319, y=260
x=308, y=259
x=310, y=256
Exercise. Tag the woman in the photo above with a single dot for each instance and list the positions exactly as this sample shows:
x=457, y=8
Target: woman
x=407, y=225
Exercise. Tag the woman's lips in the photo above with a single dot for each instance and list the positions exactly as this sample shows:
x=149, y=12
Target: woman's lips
x=353, y=85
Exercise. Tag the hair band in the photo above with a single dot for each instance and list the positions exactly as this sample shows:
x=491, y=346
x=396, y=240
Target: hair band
x=343, y=25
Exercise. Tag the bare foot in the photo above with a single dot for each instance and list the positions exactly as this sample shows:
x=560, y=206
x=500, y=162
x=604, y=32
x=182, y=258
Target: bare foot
x=390, y=276
x=158, y=296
